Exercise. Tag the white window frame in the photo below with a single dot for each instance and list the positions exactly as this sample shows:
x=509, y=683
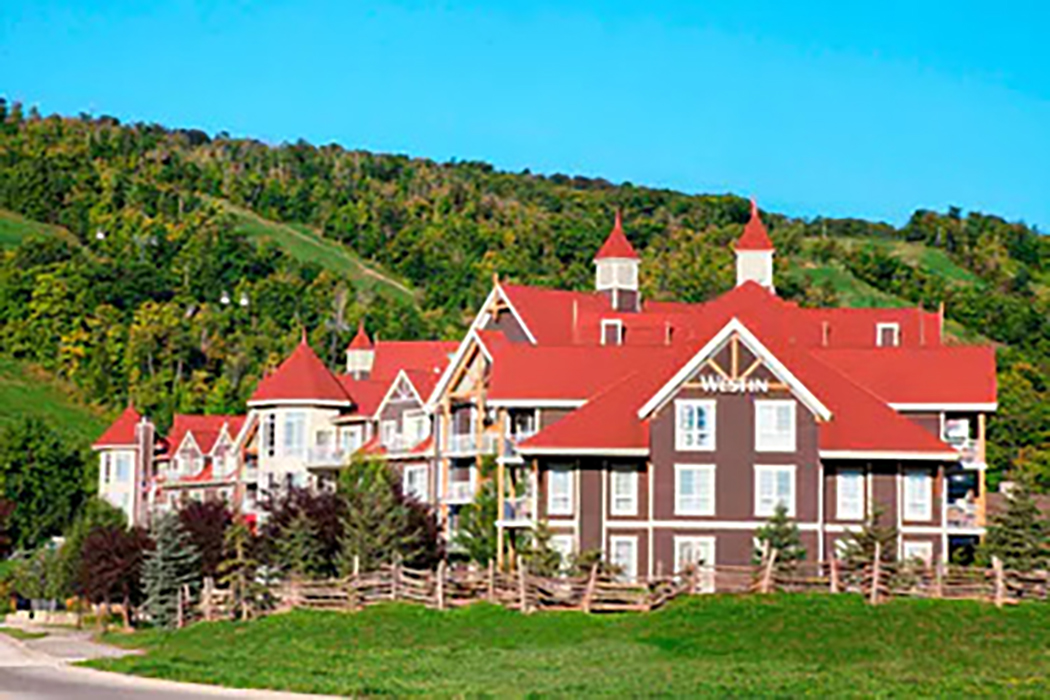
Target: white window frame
x=415, y=469
x=606, y=275
x=843, y=511
x=706, y=580
x=630, y=573
x=771, y=441
x=565, y=545
x=895, y=327
x=623, y=504
x=416, y=418
x=561, y=503
x=761, y=511
x=705, y=474
x=709, y=406
x=910, y=549
x=351, y=438
x=925, y=513
x=387, y=432
x=615, y=323
x=293, y=434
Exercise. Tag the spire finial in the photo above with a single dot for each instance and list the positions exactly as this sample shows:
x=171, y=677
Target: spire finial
x=754, y=208
x=618, y=221
x=302, y=338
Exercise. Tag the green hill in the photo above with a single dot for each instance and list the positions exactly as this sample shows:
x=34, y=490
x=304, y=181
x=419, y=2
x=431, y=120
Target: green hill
x=14, y=228
x=25, y=392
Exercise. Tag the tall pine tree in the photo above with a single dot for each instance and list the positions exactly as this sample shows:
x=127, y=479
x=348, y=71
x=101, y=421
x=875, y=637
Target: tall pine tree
x=1017, y=535
x=780, y=533
x=172, y=564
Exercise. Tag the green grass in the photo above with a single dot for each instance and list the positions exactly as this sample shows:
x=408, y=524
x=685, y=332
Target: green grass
x=308, y=245
x=18, y=633
x=933, y=260
x=718, y=645
x=27, y=392
x=14, y=227
x=851, y=292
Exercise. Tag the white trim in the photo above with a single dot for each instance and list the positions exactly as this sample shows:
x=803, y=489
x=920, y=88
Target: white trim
x=696, y=524
x=946, y=406
x=632, y=477
x=571, y=508
x=756, y=347
x=923, y=529
x=633, y=541
x=536, y=403
x=401, y=374
x=115, y=446
x=917, y=544
x=707, y=577
x=889, y=454
x=775, y=404
x=710, y=408
x=927, y=479
x=774, y=469
x=709, y=472
x=298, y=402
x=618, y=324
x=859, y=473
x=820, y=509
x=895, y=327
x=585, y=451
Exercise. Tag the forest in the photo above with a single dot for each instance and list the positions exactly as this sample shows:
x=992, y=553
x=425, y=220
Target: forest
x=172, y=268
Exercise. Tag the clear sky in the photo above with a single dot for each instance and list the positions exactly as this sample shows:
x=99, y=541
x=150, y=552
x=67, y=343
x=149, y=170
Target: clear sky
x=842, y=108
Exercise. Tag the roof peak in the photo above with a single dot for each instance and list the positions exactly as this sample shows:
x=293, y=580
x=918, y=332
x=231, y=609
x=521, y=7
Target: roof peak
x=361, y=340
x=616, y=244
x=755, y=236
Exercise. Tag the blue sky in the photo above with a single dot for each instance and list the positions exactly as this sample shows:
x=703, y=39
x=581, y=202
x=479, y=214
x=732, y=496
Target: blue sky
x=838, y=108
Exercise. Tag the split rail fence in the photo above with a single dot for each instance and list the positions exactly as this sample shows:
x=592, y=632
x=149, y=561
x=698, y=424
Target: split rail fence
x=446, y=587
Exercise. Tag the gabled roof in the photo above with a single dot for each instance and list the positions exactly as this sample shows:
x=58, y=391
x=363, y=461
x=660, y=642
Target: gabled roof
x=366, y=393
x=361, y=340
x=122, y=431
x=301, y=379
x=616, y=245
x=755, y=235
x=204, y=429
x=421, y=355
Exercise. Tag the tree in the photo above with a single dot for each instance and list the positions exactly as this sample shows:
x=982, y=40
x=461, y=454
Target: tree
x=860, y=547
x=111, y=568
x=169, y=566
x=476, y=535
x=781, y=534
x=539, y=557
x=239, y=571
x=206, y=524
x=381, y=522
x=1018, y=534
x=95, y=514
x=298, y=547
x=325, y=512
x=43, y=475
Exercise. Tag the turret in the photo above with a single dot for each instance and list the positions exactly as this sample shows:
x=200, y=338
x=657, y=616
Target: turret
x=616, y=270
x=360, y=354
x=754, y=253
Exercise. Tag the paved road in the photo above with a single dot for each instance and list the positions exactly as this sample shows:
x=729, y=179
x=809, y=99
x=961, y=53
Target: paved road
x=27, y=673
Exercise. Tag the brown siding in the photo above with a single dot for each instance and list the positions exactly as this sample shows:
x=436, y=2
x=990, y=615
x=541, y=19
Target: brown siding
x=550, y=416
x=930, y=422
x=732, y=547
x=508, y=324
x=590, y=500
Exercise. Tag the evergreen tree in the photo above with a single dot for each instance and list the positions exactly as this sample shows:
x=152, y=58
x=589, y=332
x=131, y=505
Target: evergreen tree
x=539, y=557
x=239, y=571
x=780, y=533
x=172, y=564
x=476, y=536
x=298, y=548
x=860, y=547
x=1017, y=535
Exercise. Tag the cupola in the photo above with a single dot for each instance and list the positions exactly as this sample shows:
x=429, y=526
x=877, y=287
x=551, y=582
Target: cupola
x=616, y=270
x=360, y=354
x=754, y=253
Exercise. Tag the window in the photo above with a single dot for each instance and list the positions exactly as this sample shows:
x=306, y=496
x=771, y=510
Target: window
x=269, y=431
x=774, y=485
x=564, y=546
x=921, y=551
x=612, y=332
x=887, y=335
x=414, y=483
x=696, y=551
x=956, y=431
x=351, y=438
x=622, y=274
x=123, y=467
x=416, y=427
x=775, y=426
x=694, y=489
x=605, y=275
x=106, y=460
x=323, y=439
x=559, y=491
x=522, y=424
x=627, y=274
x=918, y=495
x=294, y=433
x=388, y=432
x=849, y=494
x=624, y=491
x=623, y=551
x=694, y=425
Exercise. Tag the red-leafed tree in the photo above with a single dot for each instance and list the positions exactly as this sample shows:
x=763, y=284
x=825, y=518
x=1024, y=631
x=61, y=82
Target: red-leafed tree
x=206, y=524
x=111, y=567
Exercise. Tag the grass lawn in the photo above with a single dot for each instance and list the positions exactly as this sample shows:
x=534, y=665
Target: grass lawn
x=26, y=392
x=14, y=227
x=18, y=633
x=712, y=645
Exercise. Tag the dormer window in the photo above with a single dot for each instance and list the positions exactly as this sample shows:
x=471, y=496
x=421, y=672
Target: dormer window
x=887, y=335
x=612, y=331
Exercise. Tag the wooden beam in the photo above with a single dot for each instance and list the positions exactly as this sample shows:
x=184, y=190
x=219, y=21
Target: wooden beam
x=714, y=365
x=734, y=356
x=751, y=368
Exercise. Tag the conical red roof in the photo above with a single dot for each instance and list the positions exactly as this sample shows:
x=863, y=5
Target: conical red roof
x=122, y=432
x=361, y=341
x=300, y=378
x=755, y=236
x=616, y=245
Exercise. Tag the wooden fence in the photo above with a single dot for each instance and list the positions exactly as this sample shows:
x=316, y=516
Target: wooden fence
x=446, y=587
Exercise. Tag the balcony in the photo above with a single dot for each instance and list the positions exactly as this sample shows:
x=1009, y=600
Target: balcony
x=460, y=493
x=467, y=444
x=969, y=453
x=963, y=514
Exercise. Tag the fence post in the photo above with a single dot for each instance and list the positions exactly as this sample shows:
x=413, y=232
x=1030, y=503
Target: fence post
x=206, y=598
x=834, y=575
x=523, y=594
x=492, y=582
x=1000, y=587
x=767, y=573
x=588, y=594
x=938, y=579
x=874, y=596
x=441, y=585
x=395, y=576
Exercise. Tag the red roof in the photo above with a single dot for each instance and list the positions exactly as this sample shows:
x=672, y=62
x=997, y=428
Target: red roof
x=361, y=341
x=302, y=378
x=122, y=432
x=205, y=430
x=366, y=393
x=616, y=244
x=755, y=236
x=422, y=355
